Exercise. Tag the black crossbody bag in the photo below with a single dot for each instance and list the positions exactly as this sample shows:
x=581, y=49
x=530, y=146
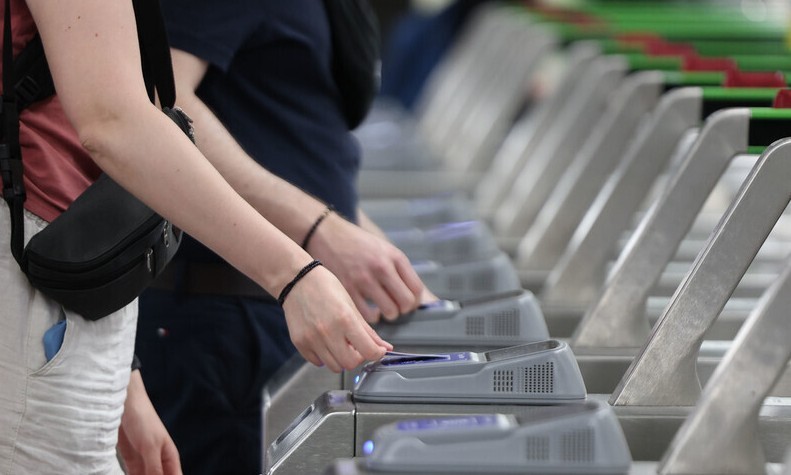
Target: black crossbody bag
x=107, y=247
x=356, y=56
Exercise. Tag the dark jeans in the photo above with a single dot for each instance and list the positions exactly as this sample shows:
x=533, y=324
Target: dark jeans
x=205, y=361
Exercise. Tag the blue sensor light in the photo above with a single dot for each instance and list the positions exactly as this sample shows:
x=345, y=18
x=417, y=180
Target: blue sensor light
x=368, y=447
x=357, y=379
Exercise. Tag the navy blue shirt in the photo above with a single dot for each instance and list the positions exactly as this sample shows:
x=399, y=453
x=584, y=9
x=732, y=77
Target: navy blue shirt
x=270, y=83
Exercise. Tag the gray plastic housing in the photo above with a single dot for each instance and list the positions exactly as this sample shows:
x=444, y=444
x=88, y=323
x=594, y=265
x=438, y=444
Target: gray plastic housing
x=586, y=439
x=417, y=213
x=468, y=280
x=505, y=319
x=535, y=373
x=446, y=243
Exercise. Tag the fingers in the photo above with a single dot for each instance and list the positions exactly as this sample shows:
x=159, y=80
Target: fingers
x=395, y=288
x=410, y=278
x=171, y=463
x=152, y=463
x=368, y=345
x=378, y=339
x=369, y=313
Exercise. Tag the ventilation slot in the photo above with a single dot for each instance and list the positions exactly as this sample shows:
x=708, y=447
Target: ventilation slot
x=483, y=280
x=540, y=378
x=578, y=446
x=537, y=448
x=503, y=381
x=476, y=326
x=505, y=323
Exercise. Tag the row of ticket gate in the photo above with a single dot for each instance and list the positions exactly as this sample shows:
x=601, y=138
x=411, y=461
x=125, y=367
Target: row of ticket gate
x=599, y=197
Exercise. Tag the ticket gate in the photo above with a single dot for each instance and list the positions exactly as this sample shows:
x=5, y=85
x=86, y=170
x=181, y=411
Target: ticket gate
x=580, y=439
x=493, y=275
x=492, y=322
x=510, y=380
x=576, y=281
x=446, y=243
x=417, y=213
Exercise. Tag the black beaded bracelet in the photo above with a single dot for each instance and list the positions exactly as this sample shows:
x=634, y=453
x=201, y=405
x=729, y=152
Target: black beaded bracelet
x=329, y=209
x=302, y=273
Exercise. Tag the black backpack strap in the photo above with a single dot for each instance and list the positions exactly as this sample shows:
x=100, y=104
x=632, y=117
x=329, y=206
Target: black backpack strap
x=10, y=152
x=27, y=80
x=32, y=79
x=155, y=51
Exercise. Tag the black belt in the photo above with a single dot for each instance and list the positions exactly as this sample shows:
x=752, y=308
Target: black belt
x=208, y=279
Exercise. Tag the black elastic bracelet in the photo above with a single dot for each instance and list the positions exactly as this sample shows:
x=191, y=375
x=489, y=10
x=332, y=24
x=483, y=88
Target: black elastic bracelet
x=329, y=209
x=302, y=273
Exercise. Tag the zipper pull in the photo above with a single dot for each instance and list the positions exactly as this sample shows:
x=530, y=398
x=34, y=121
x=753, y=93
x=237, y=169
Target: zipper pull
x=166, y=234
x=150, y=260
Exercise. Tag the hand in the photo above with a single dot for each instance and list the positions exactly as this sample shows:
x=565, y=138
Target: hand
x=143, y=442
x=325, y=325
x=369, y=267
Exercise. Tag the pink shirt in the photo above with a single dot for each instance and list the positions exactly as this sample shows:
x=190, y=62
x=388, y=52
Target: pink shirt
x=57, y=168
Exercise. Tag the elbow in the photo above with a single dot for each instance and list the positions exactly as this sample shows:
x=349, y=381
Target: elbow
x=99, y=132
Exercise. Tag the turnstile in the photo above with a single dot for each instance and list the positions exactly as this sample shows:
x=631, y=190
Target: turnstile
x=493, y=275
x=492, y=322
x=583, y=439
x=510, y=381
x=446, y=243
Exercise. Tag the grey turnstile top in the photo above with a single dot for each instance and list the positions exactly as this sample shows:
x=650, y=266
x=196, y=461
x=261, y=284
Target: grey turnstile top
x=500, y=319
x=585, y=439
x=542, y=372
x=447, y=242
x=473, y=279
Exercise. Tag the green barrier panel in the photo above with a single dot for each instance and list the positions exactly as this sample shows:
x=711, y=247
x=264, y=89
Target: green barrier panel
x=767, y=125
x=707, y=48
x=740, y=94
x=702, y=78
x=765, y=63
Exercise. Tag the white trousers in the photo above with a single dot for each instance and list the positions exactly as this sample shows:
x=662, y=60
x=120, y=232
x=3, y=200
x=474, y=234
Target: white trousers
x=59, y=416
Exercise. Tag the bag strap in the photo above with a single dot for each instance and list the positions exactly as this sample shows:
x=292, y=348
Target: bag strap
x=10, y=152
x=155, y=51
x=28, y=80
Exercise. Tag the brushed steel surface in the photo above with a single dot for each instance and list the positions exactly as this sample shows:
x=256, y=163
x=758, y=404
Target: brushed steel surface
x=570, y=197
x=617, y=317
x=649, y=430
x=579, y=274
x=664, y=372
x=535, y=180
x=325, y=438
x=529, y=131
x=290, y=391
x=720, y=436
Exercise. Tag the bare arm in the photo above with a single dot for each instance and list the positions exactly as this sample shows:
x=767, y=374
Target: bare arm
x=369, y=267
x=91, y=46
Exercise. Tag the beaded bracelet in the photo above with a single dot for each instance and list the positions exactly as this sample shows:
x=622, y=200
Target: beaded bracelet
x=302, y=273
x=329, y=209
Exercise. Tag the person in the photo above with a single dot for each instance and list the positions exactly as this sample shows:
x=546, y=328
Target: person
x=256, y=79
x=63, y=415
x=419, y=41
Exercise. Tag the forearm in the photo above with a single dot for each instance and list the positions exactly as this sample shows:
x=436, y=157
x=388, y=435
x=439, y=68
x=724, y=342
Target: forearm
x=290, y=209
x=189, y=191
